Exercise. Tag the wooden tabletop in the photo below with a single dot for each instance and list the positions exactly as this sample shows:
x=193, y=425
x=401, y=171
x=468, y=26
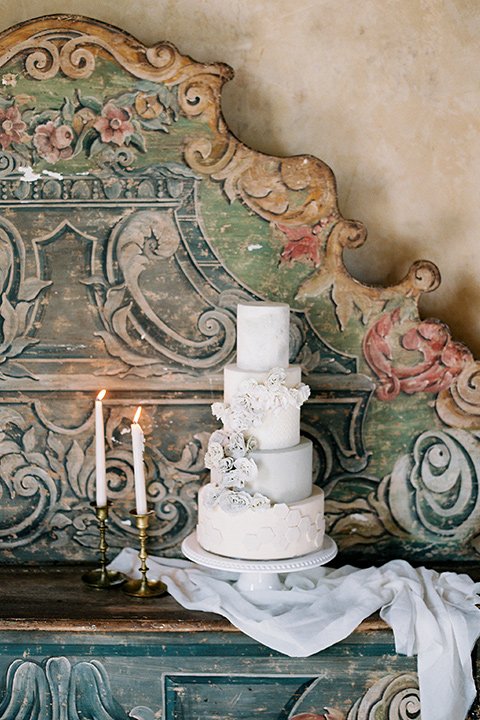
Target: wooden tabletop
x=56, y=599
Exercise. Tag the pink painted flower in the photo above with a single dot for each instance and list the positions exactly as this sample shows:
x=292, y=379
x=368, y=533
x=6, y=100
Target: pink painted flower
x=114, y=126
x=53, y=143
x=11, y=126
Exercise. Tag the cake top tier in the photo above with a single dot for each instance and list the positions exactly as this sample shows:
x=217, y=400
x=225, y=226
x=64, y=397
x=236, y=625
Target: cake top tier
x=263, y=331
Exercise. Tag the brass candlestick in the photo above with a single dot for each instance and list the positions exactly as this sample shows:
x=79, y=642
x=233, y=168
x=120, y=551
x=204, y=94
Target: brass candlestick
x=103, y=578
x=143, y=588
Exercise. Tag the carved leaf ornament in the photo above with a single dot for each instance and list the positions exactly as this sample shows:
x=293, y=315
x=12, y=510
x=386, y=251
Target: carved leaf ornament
x=439, y=359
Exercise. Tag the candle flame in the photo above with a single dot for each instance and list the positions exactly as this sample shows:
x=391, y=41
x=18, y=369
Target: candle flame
x=137, y=415
x=101, y=394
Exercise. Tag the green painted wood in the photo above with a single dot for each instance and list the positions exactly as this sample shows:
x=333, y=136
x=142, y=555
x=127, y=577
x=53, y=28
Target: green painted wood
x=132, y=222
x=197, y=675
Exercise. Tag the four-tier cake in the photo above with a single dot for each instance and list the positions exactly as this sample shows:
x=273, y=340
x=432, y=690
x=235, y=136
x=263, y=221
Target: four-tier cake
x=260, y=503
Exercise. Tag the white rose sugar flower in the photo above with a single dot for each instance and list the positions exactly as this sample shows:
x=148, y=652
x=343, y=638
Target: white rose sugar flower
x=234, y=502
x=213, y=455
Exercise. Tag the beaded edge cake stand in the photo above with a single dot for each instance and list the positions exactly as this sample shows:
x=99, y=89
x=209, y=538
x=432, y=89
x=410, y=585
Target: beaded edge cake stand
x=258, y=574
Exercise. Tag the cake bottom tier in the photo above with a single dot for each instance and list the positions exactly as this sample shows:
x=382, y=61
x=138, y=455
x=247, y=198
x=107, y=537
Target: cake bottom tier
x=279, y=532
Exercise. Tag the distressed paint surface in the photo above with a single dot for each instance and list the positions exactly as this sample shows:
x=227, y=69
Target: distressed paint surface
x=132, y=223
x=220, y=677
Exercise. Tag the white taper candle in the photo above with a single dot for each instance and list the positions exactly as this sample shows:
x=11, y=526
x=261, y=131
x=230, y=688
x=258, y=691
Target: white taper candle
x=138, y=443
x=101, y=479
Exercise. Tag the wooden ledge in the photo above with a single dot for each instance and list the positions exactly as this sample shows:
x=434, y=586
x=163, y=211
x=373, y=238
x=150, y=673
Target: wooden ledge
x=56, y=600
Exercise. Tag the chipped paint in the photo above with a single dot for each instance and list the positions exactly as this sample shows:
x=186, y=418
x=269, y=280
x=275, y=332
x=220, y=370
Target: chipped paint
x=9, y=79
x=52, y=174
x=29, y=175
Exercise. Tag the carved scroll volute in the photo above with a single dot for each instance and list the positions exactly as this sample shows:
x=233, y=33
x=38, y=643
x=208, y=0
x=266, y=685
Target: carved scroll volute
x=393, y=697
x=71, y=44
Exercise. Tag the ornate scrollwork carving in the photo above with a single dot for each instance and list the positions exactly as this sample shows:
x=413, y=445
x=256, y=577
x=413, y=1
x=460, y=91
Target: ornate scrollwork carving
x=29, y=478
x=432, y=495
x=347, y=292
x=393, y=697
x=459, y=405
x=18, y=299
x=436, y=489
x=144, y=239
x=73, y=50
x=48, y=473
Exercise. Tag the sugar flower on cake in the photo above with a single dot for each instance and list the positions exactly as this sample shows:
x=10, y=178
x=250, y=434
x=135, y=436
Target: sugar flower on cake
x=213, y=455
x=212, y=493
x=253, y=400
x=219, y=436
x=234, y=479
x=225, y=465
x=260, y=502
x=226, y=457
x=238, y=446
x=275, y=378
x=247, y=467
x=234, y=502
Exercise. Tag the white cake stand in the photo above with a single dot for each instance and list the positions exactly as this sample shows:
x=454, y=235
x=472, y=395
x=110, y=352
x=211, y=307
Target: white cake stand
x=258, y=574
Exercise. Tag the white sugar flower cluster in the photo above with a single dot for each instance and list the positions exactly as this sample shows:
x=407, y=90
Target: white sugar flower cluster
x=226, y=457
x=253, y=400
x=231, y=470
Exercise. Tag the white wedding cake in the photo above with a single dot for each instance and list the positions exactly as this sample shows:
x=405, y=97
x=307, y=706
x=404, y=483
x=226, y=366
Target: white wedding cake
x=260, y=503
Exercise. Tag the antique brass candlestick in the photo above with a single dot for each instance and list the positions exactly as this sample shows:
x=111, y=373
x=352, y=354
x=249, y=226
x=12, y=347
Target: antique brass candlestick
x=142, y=587
x=103, y=578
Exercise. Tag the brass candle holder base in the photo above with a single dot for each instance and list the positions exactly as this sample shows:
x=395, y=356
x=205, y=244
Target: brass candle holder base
x=102, y=578
x=143, y=588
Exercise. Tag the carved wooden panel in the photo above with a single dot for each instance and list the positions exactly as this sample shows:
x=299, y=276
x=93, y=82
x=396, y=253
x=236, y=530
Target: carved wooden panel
x=227, y=677
x=131, y=223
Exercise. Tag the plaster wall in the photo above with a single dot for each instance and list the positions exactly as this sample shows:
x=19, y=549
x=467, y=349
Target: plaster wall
x=386, y=92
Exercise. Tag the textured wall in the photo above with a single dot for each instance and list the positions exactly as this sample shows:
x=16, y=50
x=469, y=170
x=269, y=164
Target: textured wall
x=387, y=93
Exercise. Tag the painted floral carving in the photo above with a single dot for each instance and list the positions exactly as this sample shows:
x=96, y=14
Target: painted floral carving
x=53, y=143
x=435, y=359
x=114, y=126
x=11, y=126
x=85, y=124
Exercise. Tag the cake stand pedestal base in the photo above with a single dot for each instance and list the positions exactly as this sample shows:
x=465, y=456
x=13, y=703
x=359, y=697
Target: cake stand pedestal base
x=258, y=574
